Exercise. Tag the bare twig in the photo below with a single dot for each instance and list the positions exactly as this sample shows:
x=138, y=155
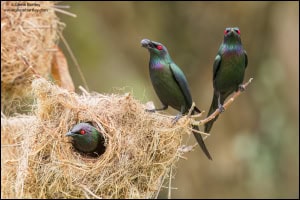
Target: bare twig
x=191, y=109
x=225, y=105
x=197, y=115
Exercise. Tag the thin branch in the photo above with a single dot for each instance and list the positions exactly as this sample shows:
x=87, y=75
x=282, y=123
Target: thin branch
x=226, y=105
x=197, y=115
x=191, y=109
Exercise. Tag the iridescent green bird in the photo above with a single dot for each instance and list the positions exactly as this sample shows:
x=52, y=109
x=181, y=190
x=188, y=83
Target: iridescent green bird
x=228, y=71
x=170, y=84
x=87, y=139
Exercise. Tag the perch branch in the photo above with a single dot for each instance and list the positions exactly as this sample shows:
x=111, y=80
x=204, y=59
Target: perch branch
x=226, y=105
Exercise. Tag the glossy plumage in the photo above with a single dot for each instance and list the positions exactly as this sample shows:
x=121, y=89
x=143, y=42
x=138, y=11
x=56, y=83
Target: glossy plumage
x=170, y=84
x=87, y=139
x=228, y=71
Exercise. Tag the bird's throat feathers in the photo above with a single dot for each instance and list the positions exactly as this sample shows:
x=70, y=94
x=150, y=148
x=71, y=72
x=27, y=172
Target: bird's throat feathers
x=156, y=65
x=232, y=49
x=159, y=62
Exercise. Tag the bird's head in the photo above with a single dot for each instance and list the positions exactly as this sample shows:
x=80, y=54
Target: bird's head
x=85, y=137
x=232, y=35
x=81, y=130
x=154, y=47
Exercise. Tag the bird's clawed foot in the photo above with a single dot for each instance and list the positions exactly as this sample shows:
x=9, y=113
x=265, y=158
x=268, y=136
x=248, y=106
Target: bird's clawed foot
x=178, y=116
x=221, y=108
x=242, y=88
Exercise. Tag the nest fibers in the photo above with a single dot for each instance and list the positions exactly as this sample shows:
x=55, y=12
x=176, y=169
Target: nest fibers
x=29, y=35
x=140, y=148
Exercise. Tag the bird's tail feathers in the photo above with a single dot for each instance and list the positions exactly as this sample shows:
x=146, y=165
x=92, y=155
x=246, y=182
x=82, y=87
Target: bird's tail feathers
x=213, y=107
x=201, y=142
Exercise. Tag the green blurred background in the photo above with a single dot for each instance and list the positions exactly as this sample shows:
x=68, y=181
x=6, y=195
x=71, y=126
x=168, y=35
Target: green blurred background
x=254, y=144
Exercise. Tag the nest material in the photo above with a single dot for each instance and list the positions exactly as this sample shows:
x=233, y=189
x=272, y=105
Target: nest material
x=12, y=131
x=28, y=38
x=140, y=148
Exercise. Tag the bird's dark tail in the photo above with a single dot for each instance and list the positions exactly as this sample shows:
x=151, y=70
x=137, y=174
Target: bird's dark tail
x=200, y=139
x=213, y=107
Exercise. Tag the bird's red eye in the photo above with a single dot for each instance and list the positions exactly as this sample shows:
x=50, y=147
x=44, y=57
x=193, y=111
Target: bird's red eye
x=238, y=31
x=226, y=31
x=82, y=132
x=159, y=47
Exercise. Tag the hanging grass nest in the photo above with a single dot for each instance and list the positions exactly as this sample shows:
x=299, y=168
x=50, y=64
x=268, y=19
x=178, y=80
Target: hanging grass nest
x=28, y=38
x=141, y=147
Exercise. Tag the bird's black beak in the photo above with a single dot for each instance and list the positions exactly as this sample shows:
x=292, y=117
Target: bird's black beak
x=146, y=43
x=69, y=133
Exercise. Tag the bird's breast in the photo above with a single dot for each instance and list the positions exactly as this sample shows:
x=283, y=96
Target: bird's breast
x=166, y=87
x=156, y=66
x=231, y=71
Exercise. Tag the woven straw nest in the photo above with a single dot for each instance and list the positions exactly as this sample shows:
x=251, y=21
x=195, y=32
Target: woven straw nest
x=39, y=161
x=27, y=38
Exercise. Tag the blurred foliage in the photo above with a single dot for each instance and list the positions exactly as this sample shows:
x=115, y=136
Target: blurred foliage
x=255, y=144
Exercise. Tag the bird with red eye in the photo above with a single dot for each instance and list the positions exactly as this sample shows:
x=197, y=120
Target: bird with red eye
x=87, y=139
x=237, y=30
x=226, y=31
x=228, y=71
x=159, y=47
x=170, y=85
x=229, y=31
x=82, y=132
